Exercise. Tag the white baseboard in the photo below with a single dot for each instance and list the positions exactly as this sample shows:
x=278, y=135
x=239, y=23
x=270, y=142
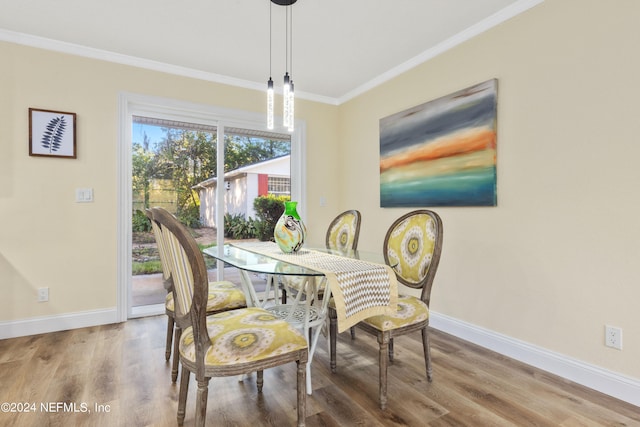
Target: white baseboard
x=602, y=380
x=45, y=324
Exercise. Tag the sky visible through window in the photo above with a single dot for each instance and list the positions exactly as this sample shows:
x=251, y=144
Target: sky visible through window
x=154, y=133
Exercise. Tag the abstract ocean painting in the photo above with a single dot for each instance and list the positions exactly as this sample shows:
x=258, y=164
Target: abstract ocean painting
x=441, y=153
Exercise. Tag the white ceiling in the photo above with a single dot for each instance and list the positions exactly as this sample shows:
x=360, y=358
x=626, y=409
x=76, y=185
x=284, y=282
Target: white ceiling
x=340, y=47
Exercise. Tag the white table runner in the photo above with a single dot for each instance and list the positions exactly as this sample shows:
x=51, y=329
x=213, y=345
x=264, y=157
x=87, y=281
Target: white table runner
x=360, y=289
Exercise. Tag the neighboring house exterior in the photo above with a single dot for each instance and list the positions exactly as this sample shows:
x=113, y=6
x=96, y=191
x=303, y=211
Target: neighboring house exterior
x=242, y=186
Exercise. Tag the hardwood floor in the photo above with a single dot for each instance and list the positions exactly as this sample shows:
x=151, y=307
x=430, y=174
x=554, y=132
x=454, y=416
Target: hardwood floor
x=116, y=375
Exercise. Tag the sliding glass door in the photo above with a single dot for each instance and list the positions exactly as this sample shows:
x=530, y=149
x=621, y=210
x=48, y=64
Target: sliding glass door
x=173, y=161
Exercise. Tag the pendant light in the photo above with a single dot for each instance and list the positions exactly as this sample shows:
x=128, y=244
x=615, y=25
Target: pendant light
x=291, y=108
x=270, y=83
x=286, y=89
x=288, y=97
x=270, y=104
x=289, y=100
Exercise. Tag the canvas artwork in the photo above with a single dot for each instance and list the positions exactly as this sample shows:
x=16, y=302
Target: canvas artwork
x=441, y=153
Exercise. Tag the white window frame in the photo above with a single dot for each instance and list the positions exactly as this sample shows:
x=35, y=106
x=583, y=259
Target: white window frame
x=130, y=104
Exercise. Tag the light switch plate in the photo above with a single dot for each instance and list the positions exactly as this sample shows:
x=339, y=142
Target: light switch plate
x=84, y=195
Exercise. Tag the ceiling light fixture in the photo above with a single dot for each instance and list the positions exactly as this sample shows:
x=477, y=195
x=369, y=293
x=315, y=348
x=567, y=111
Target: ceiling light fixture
x=270, y=83
x=288, y=97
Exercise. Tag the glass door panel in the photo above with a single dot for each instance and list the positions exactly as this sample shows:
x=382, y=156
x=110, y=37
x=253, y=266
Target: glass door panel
x=168, y=159
x=174, y=167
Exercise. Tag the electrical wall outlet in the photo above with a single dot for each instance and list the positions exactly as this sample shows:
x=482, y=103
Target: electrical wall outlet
x=613, y=337
x=43, y=294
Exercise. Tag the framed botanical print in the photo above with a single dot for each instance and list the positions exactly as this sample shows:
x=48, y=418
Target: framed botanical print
x=52, y=133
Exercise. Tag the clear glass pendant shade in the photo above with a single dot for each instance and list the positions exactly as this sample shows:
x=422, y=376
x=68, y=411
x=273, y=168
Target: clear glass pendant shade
x=291, y=108
x=270, y=104
x=286, y=91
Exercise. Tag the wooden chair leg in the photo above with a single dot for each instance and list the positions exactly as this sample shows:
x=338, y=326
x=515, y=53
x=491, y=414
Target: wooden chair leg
x=176, y=355
x=353, y=332
x=167, y=352
x=260, y=380
x=302, y=393
x=383, y=357
x=390, y=350
x=333, y=332
x=182, y=396
x=427, y=353
x=201, y=401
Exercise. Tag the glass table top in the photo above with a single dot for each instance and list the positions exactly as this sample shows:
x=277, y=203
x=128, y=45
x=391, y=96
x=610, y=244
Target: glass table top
x=257, y=263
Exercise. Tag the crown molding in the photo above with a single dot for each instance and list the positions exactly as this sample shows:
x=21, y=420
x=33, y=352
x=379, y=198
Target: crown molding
x=103, y=55
x=471, y=32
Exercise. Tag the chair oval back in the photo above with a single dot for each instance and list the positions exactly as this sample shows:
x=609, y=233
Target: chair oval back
x=188, y=270
x=413, y=243
x=164, y=258
x=343, y=232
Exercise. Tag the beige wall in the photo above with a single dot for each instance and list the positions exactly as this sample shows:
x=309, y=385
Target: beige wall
x=558, y=258
x=551, y=265
x=48, y=240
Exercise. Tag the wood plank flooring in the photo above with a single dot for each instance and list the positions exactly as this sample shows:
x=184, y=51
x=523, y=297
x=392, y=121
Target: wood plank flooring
x=116, y=375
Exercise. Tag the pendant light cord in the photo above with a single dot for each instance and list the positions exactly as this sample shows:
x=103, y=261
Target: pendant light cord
x=291, y=43
x=270, y=43
x=286, y=40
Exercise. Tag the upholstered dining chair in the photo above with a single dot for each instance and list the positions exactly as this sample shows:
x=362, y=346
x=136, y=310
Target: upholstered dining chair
x=166, y=280
x=223, y=295
x=233, y=342
x=344, y=231
x=413, y=245
x=342, y=235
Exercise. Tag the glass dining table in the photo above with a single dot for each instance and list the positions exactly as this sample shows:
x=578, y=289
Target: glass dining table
x=308, y=305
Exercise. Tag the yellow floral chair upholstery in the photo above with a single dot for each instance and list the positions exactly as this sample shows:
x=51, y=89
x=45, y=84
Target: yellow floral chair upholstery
x=223, y=295
x=413, y=245
x=344, y=231
x=234, y=342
